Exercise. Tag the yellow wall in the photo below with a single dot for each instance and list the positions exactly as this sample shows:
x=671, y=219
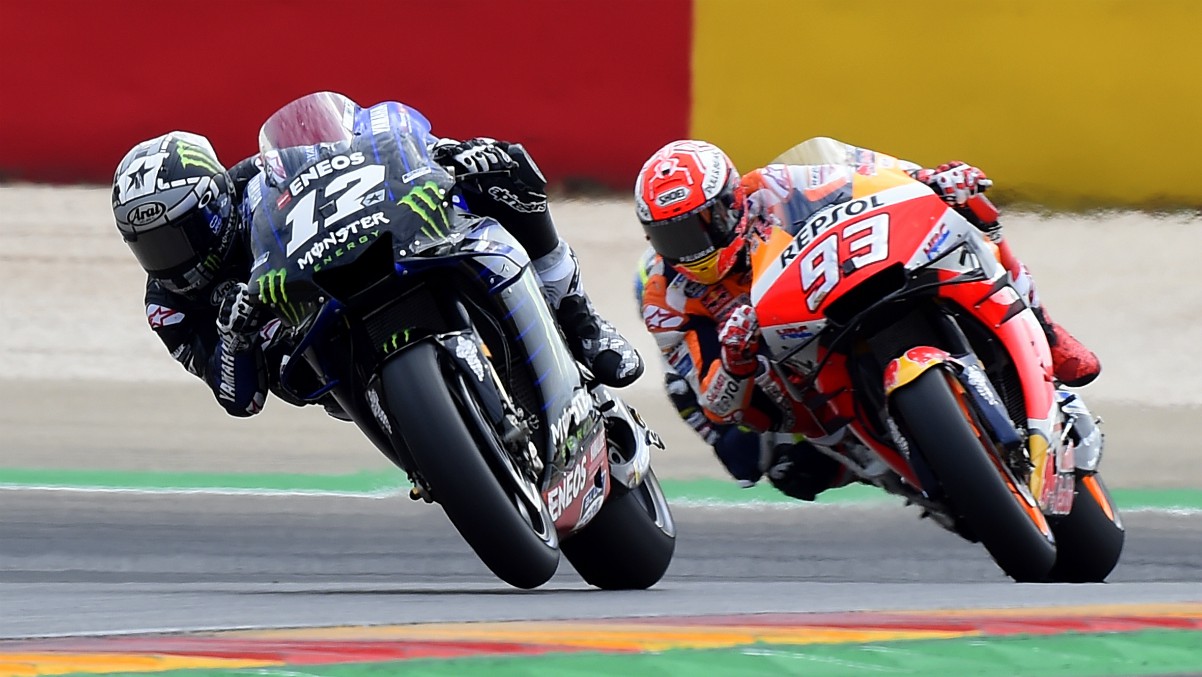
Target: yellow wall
x=1065, y=102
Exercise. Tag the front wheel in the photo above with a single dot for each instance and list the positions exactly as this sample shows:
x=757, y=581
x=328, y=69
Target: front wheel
x=1089, y=539
x=629, y=544
x=515, y=541
x=979, y=488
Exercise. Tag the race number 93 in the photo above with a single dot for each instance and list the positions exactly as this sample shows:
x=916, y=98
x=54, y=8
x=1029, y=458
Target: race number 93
x=866, y=242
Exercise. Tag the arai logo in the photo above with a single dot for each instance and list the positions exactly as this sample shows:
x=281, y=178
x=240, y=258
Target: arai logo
x=146, y=213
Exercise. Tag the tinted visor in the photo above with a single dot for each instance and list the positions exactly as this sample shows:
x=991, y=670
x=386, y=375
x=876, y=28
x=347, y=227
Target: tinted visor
x=166, y=248
x=684, y=238
x=693, y=236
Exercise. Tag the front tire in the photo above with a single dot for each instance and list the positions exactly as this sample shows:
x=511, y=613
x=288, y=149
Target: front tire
x=629, y=544
x=1089, y=539
x=459, y=477
x=978, y=486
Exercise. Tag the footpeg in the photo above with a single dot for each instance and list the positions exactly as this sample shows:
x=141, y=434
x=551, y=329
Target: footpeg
x=420, y=494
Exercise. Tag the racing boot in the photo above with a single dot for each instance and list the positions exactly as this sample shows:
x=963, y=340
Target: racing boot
x=800, y=470
x=594, y=342
x=333, y=409
x=1073, y=364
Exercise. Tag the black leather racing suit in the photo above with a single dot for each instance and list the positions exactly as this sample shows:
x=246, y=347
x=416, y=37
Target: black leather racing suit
x=240, y=381
x=187, y=324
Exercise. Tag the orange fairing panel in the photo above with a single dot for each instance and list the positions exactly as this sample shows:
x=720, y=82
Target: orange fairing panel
x=1016, y=327
x=862, y=185
x=765, y=251
x=836, y=248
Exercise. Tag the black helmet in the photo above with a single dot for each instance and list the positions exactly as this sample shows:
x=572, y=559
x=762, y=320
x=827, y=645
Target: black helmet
x=173, y=205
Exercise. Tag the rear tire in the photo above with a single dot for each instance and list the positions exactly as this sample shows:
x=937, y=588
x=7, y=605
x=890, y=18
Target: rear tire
x=629, y=544
x=975, y=486
x=1088, y=541
x=459, y=477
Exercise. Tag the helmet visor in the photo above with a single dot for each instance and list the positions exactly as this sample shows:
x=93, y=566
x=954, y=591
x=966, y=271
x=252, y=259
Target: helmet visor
x=696, y=235
x=685, y=238
x=168, y=247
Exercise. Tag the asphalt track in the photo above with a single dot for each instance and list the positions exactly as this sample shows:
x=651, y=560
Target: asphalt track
x=84, y=386
x=73, y=563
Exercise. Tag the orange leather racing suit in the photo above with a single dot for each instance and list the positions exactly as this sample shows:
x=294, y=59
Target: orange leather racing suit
x=685, y=316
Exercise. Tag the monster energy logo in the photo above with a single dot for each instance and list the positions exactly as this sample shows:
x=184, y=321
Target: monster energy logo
x=398, y=339
x=426, y=201
x=272, y=292
x=191, y=155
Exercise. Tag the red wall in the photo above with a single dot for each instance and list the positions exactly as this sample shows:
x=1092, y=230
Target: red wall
x=592, y=87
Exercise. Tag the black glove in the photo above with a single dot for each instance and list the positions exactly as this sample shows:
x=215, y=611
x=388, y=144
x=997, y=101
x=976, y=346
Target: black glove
x=473, y=156
x=239, y=318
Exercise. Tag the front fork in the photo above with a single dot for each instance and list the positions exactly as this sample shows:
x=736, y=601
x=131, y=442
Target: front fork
x=1051, y=474
x=465, y=351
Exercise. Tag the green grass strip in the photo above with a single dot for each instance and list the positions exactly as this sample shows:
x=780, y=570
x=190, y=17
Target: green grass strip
x=700, y=491
x=1158, y=499
x=1135, y=654
x=364, y=482
x=719, y=491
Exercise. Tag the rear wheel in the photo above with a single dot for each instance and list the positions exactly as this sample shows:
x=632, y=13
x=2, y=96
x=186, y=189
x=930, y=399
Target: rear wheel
x=515, y=539
x=1090, y=538
x=629, y=544
x=979, y=488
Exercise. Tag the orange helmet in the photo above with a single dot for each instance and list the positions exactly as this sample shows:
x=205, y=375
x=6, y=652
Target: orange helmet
x=685, y=199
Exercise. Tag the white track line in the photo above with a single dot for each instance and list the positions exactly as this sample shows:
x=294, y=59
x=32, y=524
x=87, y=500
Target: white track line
x=707, y=504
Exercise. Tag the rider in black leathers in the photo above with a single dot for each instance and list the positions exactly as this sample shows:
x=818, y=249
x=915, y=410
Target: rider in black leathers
x=186, y=219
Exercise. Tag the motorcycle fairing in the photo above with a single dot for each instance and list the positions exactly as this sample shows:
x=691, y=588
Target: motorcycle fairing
x=940, y=250
x=492, y=258
x=335, y=180
x=853, y=232
x=376, y=161
x=567, y=416
x=338, y=216
x=791, y=329
x=603, y=466
x=1000, y=308
x=577, y=494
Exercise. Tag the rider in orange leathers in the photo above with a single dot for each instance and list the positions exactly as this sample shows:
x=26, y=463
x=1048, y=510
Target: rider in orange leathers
x=697, y=211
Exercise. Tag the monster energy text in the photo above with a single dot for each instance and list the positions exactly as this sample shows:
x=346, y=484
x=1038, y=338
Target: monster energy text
x=336, y=243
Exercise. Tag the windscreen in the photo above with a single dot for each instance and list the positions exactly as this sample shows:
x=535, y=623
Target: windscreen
x=323, y=119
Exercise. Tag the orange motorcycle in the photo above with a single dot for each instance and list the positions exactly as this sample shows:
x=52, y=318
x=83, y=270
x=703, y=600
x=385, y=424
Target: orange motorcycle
x=889, y=315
